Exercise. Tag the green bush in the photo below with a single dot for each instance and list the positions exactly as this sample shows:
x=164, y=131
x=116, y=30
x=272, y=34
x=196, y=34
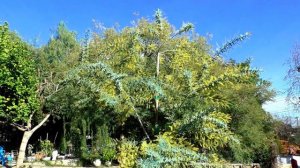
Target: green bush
x=165, y=154
x=104, y=146
x=63, y=145
x=108, y=153
x=128, y=153
x=46, y=147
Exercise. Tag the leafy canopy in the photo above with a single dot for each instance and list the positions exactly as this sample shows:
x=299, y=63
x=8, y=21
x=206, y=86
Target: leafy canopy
x=18, y=82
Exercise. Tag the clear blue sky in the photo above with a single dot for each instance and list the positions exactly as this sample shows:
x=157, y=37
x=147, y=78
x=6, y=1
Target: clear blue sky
x=275, y=25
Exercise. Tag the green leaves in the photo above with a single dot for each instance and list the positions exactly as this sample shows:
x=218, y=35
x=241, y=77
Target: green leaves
x=185, y=28
x=229, y=44
x=165, y=154
x=159, y=18
x=128, y=154
x=18, y=82
x=146, y=78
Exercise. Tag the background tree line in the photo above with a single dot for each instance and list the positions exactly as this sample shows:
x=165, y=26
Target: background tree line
x=174, y=99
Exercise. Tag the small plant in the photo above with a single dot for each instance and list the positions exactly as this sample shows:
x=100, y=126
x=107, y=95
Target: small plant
x=104, y=146
x=108, y=153
x=165, y=154
x=63, y=145
x=128, y=153
x=46, y=147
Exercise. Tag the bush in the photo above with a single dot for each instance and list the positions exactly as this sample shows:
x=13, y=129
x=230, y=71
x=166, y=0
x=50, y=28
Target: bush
x=109, y=152
x=104, y=146
x=165, y=154
x=128, y=153
x=46, y=147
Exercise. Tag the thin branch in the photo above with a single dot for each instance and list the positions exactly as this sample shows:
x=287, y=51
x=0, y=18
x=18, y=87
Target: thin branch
x=231, y=43
x=56, y=90
x=19, y=127
x=142, y=125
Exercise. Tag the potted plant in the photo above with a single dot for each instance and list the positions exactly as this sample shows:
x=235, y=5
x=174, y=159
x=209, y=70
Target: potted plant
x=97, y=163
x=46, y=147
x=94, y=156
x=108, y=154
x=104, y=145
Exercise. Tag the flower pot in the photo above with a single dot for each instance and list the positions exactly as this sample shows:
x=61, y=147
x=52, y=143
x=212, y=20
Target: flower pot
x=108, y=163
x=97, y=163
x=47, y=158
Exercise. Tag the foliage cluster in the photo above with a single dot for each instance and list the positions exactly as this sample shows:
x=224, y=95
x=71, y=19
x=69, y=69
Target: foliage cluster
x=104, y=144
x=165, y=154
x=18, y=97
x=149, y=82
x=128, y=152
x=46, y=147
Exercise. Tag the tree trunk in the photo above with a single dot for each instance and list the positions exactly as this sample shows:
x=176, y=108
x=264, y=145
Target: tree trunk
x=21, y=155
x=25, y=139
x=142, y=125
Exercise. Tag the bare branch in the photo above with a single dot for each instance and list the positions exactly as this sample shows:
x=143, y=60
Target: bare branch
x=293, y=77
x=142, y=125
x=19, y=127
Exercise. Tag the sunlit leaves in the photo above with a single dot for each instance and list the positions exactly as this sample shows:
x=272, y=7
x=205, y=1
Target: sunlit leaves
x=18, y=82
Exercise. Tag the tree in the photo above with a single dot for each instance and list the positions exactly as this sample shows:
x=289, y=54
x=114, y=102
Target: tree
x=53, y=61
x=29, y=79
x=152, y=77
x=119, y=79
x=142, y=82
x=19, y=101
x=293, y=77
x=249, y=120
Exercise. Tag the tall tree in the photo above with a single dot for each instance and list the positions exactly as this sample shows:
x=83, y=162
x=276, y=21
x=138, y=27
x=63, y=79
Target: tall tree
x=127, y=71
x=30, y=77
x=53, y=61
x=250, y=122
x=19, y=101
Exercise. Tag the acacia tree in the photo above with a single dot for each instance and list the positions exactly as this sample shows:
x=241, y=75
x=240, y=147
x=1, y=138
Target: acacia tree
x=164, y=79
x=119, y=78
x=19, y=100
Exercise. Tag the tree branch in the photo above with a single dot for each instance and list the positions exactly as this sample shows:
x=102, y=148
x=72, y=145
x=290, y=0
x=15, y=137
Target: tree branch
x=41, y=123
x=56, y=90
x=29, y=121
x=19, y=127
x=142, y=125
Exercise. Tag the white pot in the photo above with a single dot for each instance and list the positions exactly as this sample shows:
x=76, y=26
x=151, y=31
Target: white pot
x=47, y=158
x=108, y=163
x=54, y=154
x=97, y=163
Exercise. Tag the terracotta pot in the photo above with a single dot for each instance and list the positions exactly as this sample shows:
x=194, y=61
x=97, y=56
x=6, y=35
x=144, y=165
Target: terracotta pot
x=39, y=156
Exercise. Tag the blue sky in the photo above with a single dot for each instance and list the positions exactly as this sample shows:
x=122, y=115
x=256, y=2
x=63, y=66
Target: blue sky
x=275, y=25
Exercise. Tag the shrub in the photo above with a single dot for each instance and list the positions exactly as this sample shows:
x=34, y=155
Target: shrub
x=109, y=152
x=46, y=147
x=165, y=154
x=104, y=146
x=128, y=153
